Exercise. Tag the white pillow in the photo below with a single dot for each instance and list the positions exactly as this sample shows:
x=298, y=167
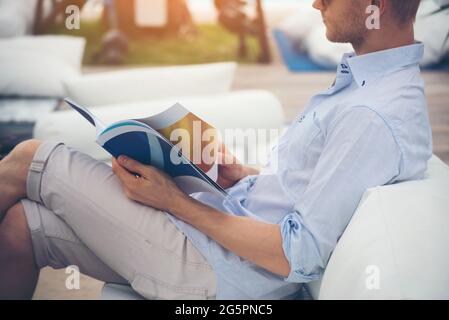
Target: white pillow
x=297, y=26
x=395, y=246
x=16, y=17
x=66, y=48
x=33, y=74
x=37, y=66
x=322, y=51
x=150, y=83
x=432, y=31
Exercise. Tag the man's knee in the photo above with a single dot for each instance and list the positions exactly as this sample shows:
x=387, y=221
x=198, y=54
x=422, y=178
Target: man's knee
x=18, y=270
x=15, y=237
x=26, y=149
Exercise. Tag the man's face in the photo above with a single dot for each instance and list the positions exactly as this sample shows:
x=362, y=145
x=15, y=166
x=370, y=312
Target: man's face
x=344, y=19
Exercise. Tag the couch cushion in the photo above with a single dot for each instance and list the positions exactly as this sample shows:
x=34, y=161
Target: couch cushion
x=395, y=246
x=38, y=66
x=125, y=86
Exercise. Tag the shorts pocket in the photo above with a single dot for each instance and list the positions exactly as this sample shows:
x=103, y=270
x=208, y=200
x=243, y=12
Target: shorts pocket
x=155, y=289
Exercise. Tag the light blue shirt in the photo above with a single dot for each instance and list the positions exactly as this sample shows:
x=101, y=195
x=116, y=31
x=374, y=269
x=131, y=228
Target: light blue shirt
x=370, y=128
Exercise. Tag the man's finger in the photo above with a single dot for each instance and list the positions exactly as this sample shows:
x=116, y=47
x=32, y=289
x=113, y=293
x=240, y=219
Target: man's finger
x=227, y=159
x=132, y=165
x=123, y=174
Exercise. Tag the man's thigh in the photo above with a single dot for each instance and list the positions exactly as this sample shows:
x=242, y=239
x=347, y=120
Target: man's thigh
x=56, y=245
x=139, y=243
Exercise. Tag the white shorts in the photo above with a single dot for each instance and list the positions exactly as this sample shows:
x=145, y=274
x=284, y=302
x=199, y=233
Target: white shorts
x=78, y=215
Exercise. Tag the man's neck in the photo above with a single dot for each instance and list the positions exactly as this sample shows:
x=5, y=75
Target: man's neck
x=378, y=41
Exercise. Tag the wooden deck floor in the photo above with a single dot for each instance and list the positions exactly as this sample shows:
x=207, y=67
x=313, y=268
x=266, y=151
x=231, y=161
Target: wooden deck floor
x=294, y=90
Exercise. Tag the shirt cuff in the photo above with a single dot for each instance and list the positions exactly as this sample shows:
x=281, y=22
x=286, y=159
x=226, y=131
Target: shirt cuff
x=301, y=251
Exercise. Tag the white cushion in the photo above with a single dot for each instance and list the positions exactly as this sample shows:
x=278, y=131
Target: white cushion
x=243, y=109
x=16, y=17
x=432, y=31
x=400, y=234
x=33, y=74
x=151, y=83
x=37, y=66
x=322, y=51
x=66, y=48
x=298, y=26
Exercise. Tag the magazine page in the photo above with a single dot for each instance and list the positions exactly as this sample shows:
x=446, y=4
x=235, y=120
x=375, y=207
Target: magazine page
x=197, y=140
x=87, y=115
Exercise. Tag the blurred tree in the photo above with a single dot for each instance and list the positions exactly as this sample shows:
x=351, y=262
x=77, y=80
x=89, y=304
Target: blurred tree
x=232, y=15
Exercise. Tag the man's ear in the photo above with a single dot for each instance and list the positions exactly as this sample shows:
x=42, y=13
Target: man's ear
x=381, y=4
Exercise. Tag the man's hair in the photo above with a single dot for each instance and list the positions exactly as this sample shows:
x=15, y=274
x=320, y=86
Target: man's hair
x=404, y=10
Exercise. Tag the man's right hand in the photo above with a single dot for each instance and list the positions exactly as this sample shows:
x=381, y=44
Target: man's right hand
x=230, y=170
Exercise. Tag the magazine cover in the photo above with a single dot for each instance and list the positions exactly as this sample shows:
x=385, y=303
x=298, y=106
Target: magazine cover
x=175, y=141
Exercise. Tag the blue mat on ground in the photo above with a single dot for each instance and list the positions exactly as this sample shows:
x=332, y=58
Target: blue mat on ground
x=294, y=60
x=301, y=62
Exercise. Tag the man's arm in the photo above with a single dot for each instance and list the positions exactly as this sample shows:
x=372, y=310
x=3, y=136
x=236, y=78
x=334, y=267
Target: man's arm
x=258, y=242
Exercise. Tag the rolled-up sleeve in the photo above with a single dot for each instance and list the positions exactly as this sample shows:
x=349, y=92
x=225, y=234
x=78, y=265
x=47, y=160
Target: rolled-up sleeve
x=360, y=151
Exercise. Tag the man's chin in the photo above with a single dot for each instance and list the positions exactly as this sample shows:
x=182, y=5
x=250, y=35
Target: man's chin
x=335, y=38
x=331, y=37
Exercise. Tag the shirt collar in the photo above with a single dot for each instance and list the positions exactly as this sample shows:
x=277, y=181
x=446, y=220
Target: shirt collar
x=368, y=67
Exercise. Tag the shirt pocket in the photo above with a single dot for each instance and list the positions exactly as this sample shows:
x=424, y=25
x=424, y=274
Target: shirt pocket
x=303, y=147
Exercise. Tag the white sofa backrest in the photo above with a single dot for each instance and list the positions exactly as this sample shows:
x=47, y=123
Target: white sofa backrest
x=252, y=109
x=396, y=245
x=152, y=83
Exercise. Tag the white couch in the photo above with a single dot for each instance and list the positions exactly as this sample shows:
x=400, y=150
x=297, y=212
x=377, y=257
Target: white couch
x=396, y=245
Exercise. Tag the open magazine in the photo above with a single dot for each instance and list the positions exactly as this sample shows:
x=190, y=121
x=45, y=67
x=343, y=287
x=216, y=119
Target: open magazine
x=148, y=141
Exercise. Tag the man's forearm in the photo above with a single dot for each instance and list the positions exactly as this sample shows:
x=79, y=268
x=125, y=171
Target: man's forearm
x=256, y=241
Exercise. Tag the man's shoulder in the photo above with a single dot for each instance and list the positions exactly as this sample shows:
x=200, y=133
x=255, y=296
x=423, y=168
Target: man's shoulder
x=396, y=97
x=399, y=100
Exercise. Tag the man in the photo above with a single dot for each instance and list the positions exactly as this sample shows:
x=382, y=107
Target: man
x=275, y=231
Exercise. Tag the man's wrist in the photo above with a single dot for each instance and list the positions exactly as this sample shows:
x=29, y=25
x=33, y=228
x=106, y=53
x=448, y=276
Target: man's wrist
x=249, y=171
x=179, y=204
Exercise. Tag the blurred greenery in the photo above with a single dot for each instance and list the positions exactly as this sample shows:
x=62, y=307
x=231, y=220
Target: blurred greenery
x=211, y=43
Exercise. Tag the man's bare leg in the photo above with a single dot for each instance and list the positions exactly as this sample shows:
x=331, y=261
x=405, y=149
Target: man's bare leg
x=125, y=225
x=18, y=270
x=13, y=174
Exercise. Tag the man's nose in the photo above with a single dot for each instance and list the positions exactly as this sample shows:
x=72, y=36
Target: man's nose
x=318, y=4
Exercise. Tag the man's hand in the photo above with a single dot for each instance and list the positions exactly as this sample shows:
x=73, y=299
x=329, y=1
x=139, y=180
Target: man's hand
x=147, y=185
x=230, y=170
